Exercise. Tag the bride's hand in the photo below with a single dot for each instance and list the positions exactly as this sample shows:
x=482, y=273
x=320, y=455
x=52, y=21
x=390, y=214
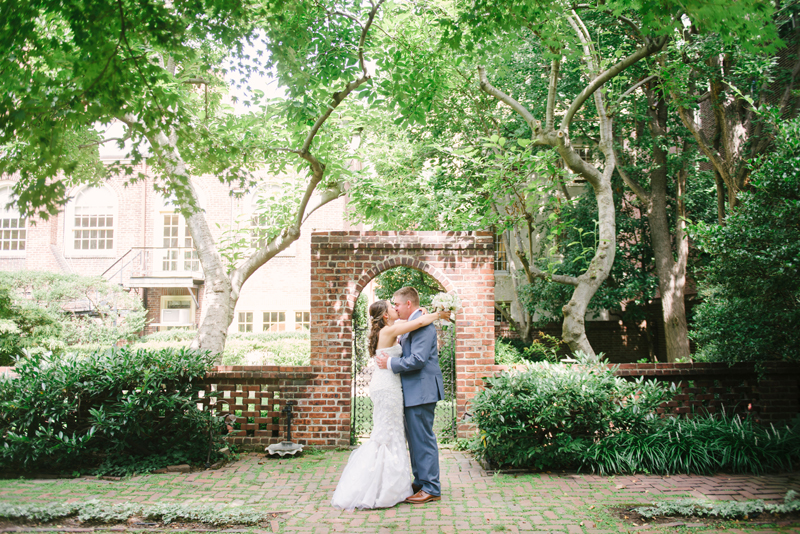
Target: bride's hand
x=444, y=314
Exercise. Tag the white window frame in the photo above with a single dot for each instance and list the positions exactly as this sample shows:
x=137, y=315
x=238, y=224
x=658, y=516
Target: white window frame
x=297, y=323
x=500, y=256
x=69, y=234
x=279, y=322
x=178, y=324
x=184, y=256
x=6, y=217
x=240, y=323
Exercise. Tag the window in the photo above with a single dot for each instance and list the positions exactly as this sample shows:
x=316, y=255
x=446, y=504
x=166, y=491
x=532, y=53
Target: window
x=500, y=257
x=245, y=321
x=93, y=220
x=12, y=226
x=274, y=322
x=180, y=254
x=176, y=311
x=498, y=317
x=302, y=320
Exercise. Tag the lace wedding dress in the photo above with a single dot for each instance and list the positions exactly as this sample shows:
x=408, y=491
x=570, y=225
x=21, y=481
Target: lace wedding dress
x=378, y=473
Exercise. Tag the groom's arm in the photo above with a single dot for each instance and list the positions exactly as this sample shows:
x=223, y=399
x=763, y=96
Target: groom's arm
x=420, y=351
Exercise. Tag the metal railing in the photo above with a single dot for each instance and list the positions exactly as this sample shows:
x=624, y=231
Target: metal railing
x=139, y=262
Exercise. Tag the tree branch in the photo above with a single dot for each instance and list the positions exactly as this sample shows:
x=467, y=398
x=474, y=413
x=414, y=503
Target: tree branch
x=103, y=141
x=640, y=53
x=558, y=278
x=549, y=120
x=613, y=108
x=635, y=186
x=341, y=95
x=487, y=88
x=288, y=236
x=712, y=155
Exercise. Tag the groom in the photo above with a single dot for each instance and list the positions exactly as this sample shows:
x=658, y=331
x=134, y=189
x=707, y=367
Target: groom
x=422, y=388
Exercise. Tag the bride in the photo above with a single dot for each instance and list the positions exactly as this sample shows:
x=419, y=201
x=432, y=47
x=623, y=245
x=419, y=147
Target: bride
x=378, y=473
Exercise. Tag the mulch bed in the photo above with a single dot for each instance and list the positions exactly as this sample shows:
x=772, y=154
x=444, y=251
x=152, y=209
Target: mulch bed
x=627, y=514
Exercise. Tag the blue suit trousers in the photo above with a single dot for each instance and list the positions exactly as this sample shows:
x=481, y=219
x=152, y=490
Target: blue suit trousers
x=423, y=448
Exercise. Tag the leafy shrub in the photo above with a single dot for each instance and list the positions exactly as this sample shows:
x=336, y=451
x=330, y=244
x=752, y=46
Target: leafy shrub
x=751, y=285
x=47, y=312
x=69, y=412
x=545, y=348
x=704, y=445
x=546, y=416
x=242, y=348
x=506, y=353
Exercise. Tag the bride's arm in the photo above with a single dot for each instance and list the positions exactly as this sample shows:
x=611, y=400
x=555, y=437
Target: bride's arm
x=398, y=329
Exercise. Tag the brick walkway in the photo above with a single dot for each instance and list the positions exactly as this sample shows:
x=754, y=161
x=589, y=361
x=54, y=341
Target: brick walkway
x=473, y=501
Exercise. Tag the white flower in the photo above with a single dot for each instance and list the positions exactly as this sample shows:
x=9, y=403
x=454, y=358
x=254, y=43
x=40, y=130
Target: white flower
x=445, y=301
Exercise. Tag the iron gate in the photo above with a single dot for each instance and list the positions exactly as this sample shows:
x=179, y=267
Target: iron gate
x=444, y=424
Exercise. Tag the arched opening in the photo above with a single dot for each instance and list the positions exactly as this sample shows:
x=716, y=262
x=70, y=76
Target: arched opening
x=342, y=265
x=382, y=287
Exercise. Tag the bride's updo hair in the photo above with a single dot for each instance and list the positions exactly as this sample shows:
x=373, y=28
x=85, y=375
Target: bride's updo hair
x=376, y=322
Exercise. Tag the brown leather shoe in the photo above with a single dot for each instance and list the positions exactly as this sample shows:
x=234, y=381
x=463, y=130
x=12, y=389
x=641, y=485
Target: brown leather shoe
x=415, y=487
x=421, y=497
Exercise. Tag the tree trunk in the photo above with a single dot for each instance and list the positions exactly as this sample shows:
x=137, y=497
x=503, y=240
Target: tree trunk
x=671, y=274
x=574, y=329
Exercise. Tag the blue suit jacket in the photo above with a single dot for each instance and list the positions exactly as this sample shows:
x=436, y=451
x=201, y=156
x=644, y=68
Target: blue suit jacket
x=419, y=366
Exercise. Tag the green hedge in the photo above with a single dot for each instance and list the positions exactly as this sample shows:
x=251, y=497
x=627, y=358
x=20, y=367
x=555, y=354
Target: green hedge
x=556, y=416
x=269, y=348
x=117, y=410
x=545, y=416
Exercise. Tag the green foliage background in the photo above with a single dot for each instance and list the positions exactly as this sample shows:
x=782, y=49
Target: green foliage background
x=35, y=313
x=751, y=283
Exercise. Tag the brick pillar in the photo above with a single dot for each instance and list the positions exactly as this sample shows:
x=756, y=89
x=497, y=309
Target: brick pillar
x=343, y=263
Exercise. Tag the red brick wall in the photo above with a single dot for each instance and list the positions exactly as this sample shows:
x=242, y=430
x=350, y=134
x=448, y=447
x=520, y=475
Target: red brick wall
x=261, y=393
x=343, y=263
x=770, y=394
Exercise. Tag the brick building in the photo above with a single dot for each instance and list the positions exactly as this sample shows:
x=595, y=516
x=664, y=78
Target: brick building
x=133, y=236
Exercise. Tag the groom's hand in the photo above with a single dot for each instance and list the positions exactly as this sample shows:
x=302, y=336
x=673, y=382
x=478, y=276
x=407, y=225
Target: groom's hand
x=381, y=360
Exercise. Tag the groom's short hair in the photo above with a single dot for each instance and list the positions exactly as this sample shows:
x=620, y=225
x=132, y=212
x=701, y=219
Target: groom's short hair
x=407, y=293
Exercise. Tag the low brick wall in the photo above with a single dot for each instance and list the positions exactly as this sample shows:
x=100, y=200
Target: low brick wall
x=261, y=393
x=771, y=394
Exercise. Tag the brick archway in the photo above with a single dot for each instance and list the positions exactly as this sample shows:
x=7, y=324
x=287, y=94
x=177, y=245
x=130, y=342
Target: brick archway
x=343, y=263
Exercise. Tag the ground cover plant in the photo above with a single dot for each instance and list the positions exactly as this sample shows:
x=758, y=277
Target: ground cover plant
x=95, y=511
x=112, y=411
x=720, y=509
x=702, y=445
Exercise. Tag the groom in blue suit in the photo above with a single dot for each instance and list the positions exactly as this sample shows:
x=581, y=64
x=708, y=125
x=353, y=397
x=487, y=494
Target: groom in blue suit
x=423, y=386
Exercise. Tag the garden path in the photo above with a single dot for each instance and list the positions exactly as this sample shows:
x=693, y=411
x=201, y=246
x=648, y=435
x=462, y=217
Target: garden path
x=474, y=500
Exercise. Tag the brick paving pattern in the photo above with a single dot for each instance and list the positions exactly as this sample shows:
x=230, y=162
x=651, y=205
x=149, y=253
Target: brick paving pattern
x=474, y=501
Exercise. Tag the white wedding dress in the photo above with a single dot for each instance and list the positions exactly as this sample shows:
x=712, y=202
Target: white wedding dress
x=378, y=473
